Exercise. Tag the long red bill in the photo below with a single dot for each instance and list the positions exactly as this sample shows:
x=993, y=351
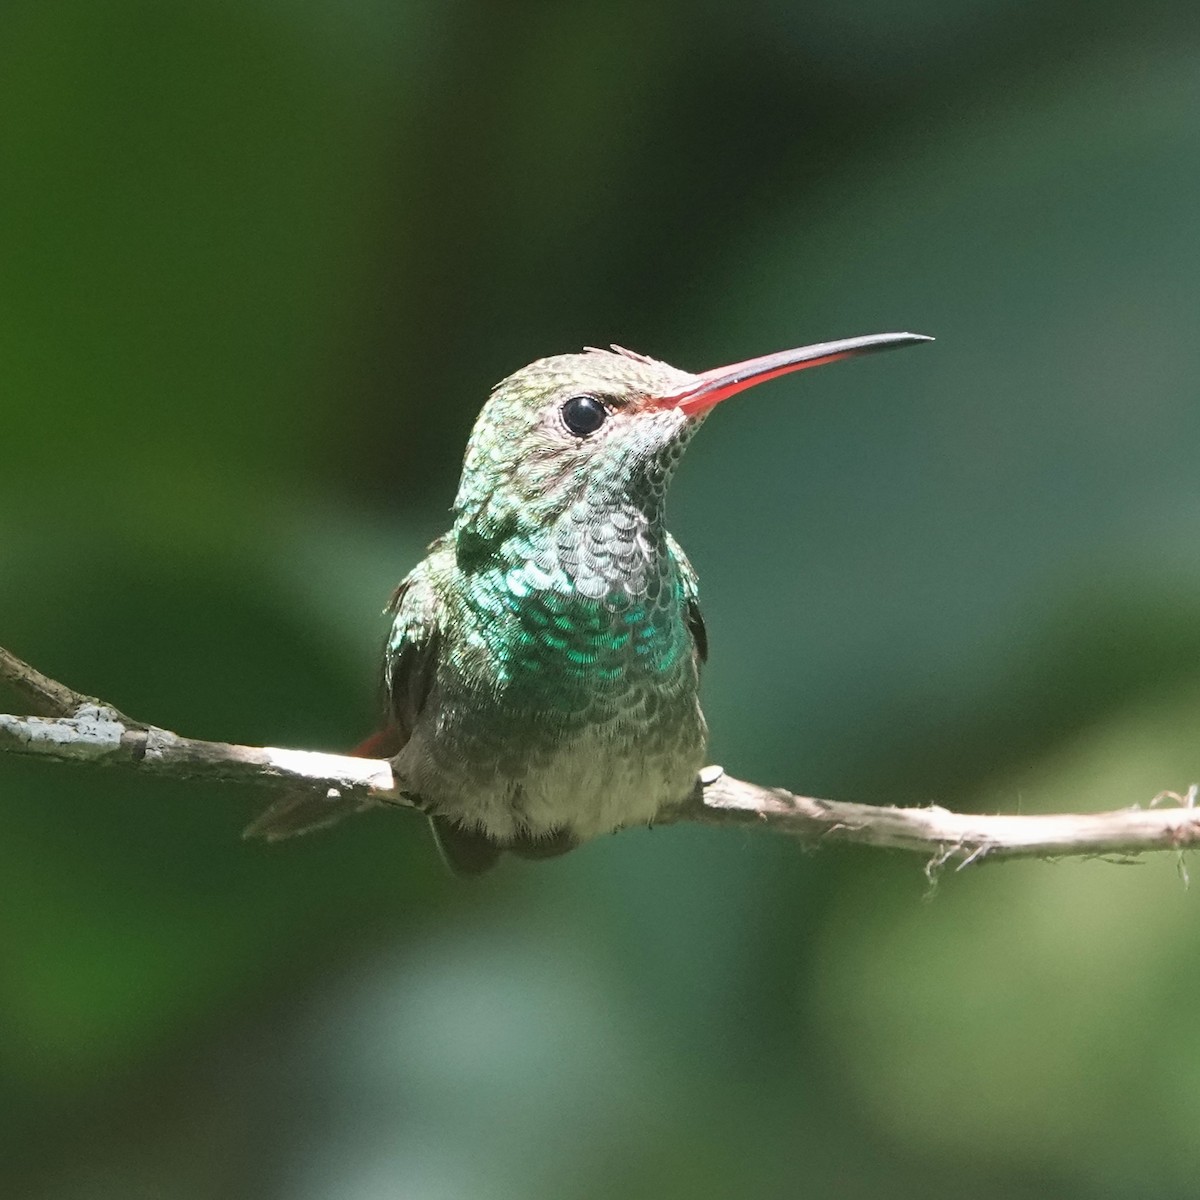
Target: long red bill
x=703, y=391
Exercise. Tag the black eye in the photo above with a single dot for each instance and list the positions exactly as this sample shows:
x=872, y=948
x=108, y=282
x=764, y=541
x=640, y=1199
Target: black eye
x=583, y=415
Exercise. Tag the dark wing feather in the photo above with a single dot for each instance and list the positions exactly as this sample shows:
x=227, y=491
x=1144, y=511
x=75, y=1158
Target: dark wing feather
x=695, y=624
x=691, y=600
x=410, y=663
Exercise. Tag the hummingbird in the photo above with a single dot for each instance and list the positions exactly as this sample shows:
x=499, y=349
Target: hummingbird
x=542, y=672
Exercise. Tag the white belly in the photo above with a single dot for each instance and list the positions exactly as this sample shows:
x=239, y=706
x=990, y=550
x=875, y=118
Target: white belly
x=585, y=786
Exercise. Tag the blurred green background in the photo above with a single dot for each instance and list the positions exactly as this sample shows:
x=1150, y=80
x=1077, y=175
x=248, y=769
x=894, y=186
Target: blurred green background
x=259, y=265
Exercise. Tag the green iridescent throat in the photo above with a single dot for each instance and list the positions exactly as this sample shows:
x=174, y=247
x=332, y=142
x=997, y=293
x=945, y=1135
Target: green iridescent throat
x=531, y=623
x=569, y=582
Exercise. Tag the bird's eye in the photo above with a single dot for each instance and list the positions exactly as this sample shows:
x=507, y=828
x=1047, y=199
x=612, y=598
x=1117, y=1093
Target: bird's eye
x=583, y=415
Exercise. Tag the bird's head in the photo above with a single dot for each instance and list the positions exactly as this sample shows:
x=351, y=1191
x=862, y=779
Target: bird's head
x=603, y=428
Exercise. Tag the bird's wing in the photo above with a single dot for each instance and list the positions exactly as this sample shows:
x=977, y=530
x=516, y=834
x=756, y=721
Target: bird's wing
x=410, y=665
x=410, y=659
x=691, y=600
x=410, y=662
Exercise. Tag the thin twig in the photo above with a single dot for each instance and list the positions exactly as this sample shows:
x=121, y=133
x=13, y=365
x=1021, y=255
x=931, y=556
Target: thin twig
x=96, y=733
x=47, y=697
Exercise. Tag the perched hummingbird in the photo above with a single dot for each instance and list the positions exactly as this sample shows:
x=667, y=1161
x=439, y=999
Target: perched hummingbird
x=543, y=667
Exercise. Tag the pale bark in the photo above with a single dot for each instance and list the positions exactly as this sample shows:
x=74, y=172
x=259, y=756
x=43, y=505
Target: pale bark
x=72, y=728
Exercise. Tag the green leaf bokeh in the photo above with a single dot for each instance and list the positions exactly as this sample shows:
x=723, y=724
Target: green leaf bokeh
x=261, y=264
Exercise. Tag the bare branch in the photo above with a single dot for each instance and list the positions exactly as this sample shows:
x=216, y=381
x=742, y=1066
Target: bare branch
x=949, y=837
x=47, y=697
x=97, y=733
